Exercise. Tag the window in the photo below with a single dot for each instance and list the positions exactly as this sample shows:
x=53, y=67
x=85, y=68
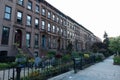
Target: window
x=36, y=23
x=61, y=21
x=61, y=31
x=28, y=36
x=43, y=11
x=20, y=2
x=36, y=40
x=3, y=53
x=19, y=17
x=49, y=14
x=29, y=19
x=5, y=35
x=57, y=29
x=53, y=17
x=53, y=28
x=8, y=11
x=49, y=42
x=29, y=5
x=43, y=24
x=48, y=26
x=37, y=9
x=57, y=19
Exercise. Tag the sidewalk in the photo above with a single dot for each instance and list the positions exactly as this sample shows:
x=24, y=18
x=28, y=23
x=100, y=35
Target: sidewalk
x=101, y=71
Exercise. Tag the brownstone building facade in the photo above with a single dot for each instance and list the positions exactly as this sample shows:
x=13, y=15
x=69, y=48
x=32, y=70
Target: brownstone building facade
x=38, y=27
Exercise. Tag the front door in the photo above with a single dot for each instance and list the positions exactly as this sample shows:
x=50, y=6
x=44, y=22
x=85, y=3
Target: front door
x=18, y=37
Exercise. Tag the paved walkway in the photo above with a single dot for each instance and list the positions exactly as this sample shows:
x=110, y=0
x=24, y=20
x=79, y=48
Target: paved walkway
x=101, y=71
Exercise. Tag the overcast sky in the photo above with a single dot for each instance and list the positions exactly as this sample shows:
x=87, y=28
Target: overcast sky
x=95, y=15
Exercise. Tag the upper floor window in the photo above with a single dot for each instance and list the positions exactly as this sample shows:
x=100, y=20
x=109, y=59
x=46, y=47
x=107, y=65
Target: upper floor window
x=20, y=2
x=57, y=29
x=43, y=24
x=5, y=35
x=29, y=5
x=36, y=40
x=49, y=14
x=49, y=26
x=61, y=21
x=57, y=19
x=43, y=11
x=37, y=9
x=36, y=23
x=53, y=17
x=29, y=20
x=19, y=17
x=28, y=37
x=61, y=31
x=53, y=28
x=7, y=14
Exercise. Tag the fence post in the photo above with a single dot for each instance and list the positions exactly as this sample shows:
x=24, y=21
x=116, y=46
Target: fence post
x=18, y=70
x=74, y=66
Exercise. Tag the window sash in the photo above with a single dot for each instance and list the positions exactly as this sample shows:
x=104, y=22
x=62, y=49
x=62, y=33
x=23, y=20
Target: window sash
x=29, y=6
x=7, y=14
x=29, y=18
x=28, y=37
x=37, y=9
x=43, y=24
x=49, y=26
x=20, y=2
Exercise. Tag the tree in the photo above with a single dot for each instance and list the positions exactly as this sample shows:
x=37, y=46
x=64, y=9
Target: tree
x=106, y=41
x=98, y=46
x=114, y=44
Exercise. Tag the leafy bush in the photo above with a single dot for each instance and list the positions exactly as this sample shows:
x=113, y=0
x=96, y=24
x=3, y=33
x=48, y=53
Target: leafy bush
x=66, y=57
x=7, y=65
x=116, y=60
x=51, y=54
x=75, y=54
x=99, y=57
x=86, y=55
x=7, y=59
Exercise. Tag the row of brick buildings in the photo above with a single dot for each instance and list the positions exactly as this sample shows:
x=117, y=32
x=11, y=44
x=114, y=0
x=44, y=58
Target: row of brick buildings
x=38, y=27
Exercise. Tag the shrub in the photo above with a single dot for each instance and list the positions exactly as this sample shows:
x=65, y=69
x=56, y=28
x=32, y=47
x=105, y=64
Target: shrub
x=7, y=59
x=51, y=54
x=66, y=57
x=86, y=55
x=116, y=60
x=99, y=57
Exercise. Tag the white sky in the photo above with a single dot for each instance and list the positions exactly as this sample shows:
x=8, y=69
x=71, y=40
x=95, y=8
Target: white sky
x=95, y=15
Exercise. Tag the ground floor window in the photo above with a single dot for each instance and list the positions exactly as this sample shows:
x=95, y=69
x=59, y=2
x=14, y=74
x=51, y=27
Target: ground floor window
x=5, y=35
x=3, y=53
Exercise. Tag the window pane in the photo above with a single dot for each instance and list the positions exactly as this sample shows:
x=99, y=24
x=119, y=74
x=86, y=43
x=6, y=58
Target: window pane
x=8, y=9
x=7, y=16
x=5, y=36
